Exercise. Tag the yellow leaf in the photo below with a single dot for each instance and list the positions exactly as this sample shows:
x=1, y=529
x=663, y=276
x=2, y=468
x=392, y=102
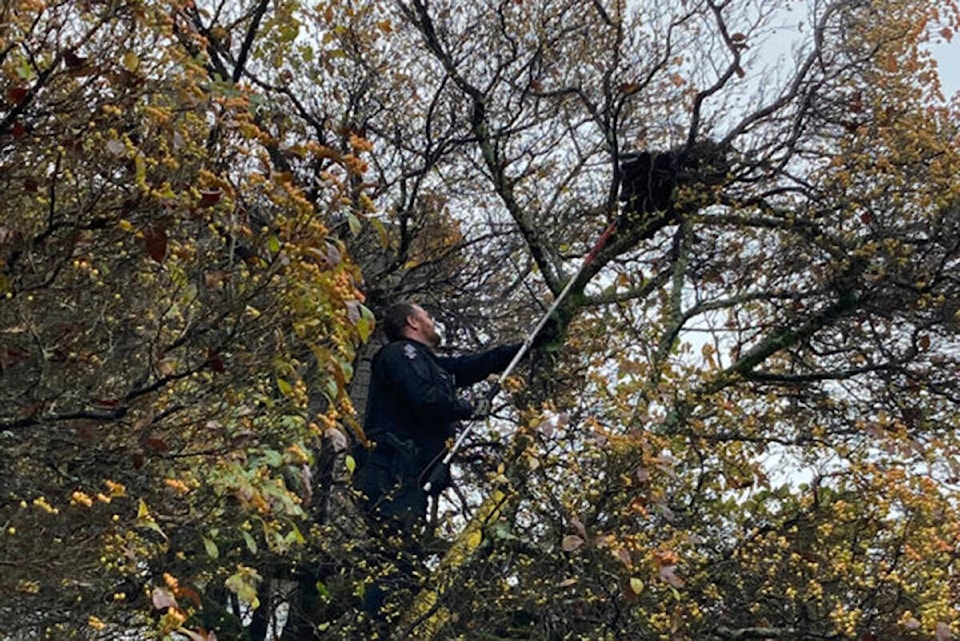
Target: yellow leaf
x=131, y=61
x=141, y=170
x=636, y=585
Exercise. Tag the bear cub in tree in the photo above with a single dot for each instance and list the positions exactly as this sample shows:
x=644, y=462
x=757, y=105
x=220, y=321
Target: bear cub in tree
x=650, y=180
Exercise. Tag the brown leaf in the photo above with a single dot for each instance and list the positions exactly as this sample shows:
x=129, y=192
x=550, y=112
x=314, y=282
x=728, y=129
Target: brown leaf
x=84, y=430
x=353, y=311
x=16, y=95
x=579, y=527
x=190, y=594
x=73, y=61
x=156, y=444
x=668, y=574
x=333, y=255
x=338, y=440
x=944, y=633
x=738, y=37
x=155, y=239
x=210, y=197
x=571, y=542
x=163, y=598
x=215, y=362
x=214, y=280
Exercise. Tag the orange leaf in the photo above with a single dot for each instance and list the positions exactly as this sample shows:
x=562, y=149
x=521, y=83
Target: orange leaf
x=190, y=594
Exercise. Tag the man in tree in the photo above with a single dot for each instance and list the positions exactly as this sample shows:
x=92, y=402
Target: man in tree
x=412, y=410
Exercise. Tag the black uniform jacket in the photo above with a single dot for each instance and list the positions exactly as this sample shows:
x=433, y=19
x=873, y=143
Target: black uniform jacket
x=413, y=392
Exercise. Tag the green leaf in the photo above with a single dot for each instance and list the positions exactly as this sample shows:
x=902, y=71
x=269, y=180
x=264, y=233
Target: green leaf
x=273, y=458
x=367, y=323
x=141, y=170
x=330, y=389
x=350, y=463
x=212, y=551
x=354, y=223
x=243, y=583
x=145, y=519
x=381, y=231
x=273, y=244
x=24, y=70
x=323, y=591
x=285, y=388
x=250, y=541
x=294, y=536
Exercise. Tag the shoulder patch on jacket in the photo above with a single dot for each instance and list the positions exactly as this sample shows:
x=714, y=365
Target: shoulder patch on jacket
x=410, y=351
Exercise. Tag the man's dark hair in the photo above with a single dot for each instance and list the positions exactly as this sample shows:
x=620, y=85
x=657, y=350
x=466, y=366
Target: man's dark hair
x=395, y=319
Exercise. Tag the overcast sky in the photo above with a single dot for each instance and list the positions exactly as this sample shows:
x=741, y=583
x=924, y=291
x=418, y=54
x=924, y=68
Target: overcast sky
x=948, y=59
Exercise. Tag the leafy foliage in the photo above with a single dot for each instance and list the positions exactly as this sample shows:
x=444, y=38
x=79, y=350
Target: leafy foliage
x=747, y=429
x=169, y=296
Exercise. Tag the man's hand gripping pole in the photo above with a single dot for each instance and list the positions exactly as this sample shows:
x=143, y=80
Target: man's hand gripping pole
x=495, y=388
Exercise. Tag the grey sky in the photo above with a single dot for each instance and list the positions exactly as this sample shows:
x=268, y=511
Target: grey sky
x=948, y=60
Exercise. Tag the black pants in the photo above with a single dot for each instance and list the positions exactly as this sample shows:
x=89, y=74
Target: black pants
x=395, y=507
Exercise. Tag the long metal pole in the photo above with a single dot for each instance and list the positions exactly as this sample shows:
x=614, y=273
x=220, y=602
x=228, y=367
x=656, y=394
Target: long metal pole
x=530, y=338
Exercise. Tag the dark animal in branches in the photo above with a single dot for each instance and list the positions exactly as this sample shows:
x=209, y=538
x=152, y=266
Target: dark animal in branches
x=650, y=182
